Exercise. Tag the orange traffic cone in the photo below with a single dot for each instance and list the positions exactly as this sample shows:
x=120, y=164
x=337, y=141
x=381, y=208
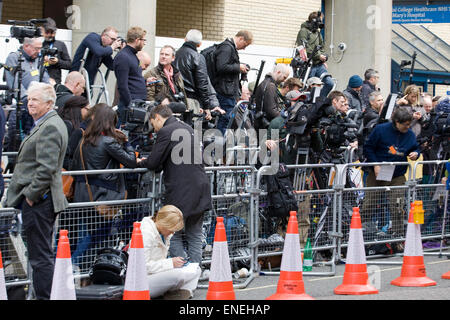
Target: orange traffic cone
x=63, y=285
x=356, y=278
x=413, y=269
x=3, y=294
x=220, y=282
x=446, y=275
x=290, y=284
x=136, y=284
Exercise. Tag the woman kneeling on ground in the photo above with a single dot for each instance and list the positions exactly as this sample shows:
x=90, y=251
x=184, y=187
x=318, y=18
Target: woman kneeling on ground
x=171, y=278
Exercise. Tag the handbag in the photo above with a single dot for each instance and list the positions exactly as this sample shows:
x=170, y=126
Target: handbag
x=67, y=182
x=107, y=211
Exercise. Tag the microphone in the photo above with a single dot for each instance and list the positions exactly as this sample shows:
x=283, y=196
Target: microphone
x=38, y=20
x=177, y=107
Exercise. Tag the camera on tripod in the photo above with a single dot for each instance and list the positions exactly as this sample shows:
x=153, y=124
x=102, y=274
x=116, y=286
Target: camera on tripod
x=6, y=98
x=25, y=29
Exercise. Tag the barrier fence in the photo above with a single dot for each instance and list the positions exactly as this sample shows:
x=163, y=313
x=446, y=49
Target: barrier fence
x=255, y=240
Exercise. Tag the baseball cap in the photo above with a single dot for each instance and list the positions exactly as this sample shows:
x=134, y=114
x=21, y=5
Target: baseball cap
x=293, y=95
x=50, y=25
x=313, y=80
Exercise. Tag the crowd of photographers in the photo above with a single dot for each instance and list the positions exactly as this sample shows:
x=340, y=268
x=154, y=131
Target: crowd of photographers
x=316, y=123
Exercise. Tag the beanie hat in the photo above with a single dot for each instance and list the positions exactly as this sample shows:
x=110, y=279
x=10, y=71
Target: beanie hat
x=355, y=81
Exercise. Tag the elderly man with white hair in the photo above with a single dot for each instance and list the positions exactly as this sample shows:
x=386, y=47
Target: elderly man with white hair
x=199, y=90
x=32, y=69
x=36, y=184
x=268, y=98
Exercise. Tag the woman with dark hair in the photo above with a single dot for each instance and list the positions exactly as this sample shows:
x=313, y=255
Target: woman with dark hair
x=101, y=147
x=74, y=112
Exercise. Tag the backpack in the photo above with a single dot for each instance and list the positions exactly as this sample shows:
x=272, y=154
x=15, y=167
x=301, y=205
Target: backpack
x=109, y=267
x=280, y=193
x=210, y=60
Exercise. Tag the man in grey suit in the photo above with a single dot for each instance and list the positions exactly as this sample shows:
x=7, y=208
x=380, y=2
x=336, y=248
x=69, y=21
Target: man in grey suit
x=36, y=185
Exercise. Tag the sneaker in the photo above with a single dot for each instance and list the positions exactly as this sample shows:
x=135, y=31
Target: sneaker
x=180, y=294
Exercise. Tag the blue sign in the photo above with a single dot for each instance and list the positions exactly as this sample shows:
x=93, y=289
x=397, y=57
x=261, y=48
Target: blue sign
x=421, y=14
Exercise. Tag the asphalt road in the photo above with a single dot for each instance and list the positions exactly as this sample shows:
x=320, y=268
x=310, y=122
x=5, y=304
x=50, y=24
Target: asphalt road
x=380, y=275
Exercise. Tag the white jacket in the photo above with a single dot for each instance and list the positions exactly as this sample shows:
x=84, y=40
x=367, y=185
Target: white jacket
x=155, y=250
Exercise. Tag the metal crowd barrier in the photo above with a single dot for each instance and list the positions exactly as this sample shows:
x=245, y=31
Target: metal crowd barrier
x=239, y=195
x=316, y=217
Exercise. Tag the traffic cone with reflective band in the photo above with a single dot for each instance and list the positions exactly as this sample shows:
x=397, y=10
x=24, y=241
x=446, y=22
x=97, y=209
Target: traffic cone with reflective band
x=356, y=278
x=220, y=282
x=3, y=294
x=63, y=284
x=446, y=275
x=136, y=285
x=413, y=269
x=290, y=284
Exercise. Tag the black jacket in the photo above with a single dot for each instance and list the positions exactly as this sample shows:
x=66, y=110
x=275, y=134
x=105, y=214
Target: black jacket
x=98, y=55
x=186, y=184
x=194, y=72
x=267, y=99
x=228, y=72
x=64, y=61
x=354, y=100
x=107, y=154
x=130, y=82
x=62, y=95
x=366, y=90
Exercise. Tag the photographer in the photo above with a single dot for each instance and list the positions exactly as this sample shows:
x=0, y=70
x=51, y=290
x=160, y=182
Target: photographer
x=268, y=99
x=186, y=184
x=411, y=100
x=228, y=72
x=200, y=94
x=165, y=78
x=130, y=82
x=101, y=47
x=338, y=130
x=310, y=37
x=56, y=55
x=32, y=69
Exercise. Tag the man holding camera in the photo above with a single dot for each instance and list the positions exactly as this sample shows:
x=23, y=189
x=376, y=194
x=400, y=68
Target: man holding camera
x=227, y=73
x=130, y=82
x=32, y=69
x=268, y=99
x=165, y=79
x=310, y=37
x=56, y=55
x=101, y=47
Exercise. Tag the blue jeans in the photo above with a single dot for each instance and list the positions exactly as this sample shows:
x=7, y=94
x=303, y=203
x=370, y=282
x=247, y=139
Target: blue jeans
x=193, y=237
x=317, y=71
x=227, y=104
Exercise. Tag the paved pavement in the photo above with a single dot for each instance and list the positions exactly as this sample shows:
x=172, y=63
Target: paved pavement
x=321, y=287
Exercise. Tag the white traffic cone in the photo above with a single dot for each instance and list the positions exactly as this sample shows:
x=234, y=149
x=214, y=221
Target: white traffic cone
x=3, y=294
x=63, y=285
x=290, y=284
x=220, y=282
x=136, y=284
x=356, y=278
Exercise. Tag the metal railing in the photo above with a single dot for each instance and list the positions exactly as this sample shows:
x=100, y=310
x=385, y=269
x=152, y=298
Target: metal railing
x=238, y=193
